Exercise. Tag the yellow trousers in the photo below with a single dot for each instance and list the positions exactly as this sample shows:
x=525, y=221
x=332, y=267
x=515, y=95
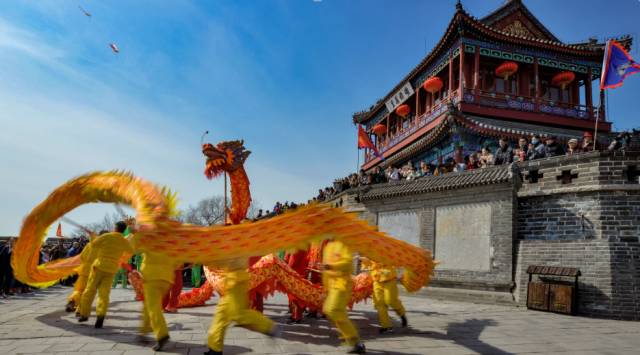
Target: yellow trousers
x=234, y=307
x=335, y=308
x=152, y=312
x=78, y=289
x=385, y=295
x=100, y=282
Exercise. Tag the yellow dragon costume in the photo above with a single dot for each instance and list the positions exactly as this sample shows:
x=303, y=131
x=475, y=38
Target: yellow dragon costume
x=158, y=233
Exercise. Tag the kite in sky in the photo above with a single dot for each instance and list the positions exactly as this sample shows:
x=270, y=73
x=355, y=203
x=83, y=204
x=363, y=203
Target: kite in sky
x=114, y=48
x=85, y=12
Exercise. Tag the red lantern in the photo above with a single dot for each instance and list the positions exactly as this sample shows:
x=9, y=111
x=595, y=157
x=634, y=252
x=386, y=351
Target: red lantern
x=403, y=110
x=433, y=84
x=506, y=69
x=379, y=129
x=563, y=79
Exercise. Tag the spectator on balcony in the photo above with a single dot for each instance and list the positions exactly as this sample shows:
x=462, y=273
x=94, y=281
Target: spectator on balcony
x=504, y=154
x=553, y=149
x=572, y=147
x=424, y=169
x=536, y=149
x=523, y=147
x=393, y=174
x=462, y=166
x=587, y=142
x=449, y=165
x=486, y=158
x=379, y=176
x=472, y=162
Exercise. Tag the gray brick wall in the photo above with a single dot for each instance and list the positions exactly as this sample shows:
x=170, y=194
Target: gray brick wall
x=610, y=283
x=591, y=222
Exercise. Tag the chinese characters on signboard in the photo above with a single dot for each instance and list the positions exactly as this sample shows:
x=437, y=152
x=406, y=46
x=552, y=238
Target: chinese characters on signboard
x=399, y=97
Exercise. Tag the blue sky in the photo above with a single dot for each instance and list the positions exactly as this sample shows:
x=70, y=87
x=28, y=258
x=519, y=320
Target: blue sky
x=285, y=76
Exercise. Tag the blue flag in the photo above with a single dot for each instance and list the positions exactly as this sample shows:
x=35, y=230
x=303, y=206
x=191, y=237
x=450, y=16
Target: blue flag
x=617, y=65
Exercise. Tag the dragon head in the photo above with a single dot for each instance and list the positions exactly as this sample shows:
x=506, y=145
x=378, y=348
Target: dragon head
x=225, y=156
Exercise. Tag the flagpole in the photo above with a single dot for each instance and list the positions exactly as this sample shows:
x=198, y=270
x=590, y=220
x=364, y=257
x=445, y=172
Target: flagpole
x=595, y=131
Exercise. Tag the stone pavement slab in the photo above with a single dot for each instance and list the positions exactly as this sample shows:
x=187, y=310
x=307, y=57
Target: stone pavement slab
x=37, y=324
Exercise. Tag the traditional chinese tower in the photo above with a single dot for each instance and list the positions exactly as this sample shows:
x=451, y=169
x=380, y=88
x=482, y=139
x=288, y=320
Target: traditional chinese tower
x=503, y=75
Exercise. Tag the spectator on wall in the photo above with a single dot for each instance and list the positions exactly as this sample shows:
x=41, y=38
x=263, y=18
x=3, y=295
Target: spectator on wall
x=504, y=154
x=536, y=149
x=552, y=148
x=523, y=146
x=572, y=147
x=486, y=158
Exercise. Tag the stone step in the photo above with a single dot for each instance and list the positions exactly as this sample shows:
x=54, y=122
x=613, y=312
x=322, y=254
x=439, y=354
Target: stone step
x=469, y=296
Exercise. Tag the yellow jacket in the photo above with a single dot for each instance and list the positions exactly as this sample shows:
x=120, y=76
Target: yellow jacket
x=85, y=261
x=340, y=261
x=157, y=267
x=106, y=251
x=379, y=272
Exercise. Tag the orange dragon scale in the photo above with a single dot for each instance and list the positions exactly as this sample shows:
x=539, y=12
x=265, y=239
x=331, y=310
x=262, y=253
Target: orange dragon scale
x=215, y=245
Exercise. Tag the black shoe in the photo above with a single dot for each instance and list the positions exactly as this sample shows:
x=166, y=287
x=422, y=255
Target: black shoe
x=211, y=352
x=404, y=321
x=99, y=322
x=358, y=349
x=385, y=330
x=82, y=319
x=160, y=344
x=294, y=321
x=71, y=306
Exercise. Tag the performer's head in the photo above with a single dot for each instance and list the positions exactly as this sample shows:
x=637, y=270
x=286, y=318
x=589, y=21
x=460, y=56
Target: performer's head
x=120, y=226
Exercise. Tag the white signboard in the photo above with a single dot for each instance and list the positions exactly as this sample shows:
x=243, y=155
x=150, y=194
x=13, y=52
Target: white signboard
x=399, y=97
x=403, y=225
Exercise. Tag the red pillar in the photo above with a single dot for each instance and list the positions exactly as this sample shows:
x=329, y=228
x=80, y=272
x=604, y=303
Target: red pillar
x=450, y=73
x=461, y=71
x=476, y=70
x=536, y=81
x=588, y=93
x=417, y=101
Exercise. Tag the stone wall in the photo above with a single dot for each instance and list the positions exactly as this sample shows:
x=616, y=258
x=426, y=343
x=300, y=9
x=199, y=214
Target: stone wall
x=609, y=285
x=496, y=272
x=584, y=212
x=581, y=211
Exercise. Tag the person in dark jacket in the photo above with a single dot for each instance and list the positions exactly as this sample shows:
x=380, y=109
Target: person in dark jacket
x=6, y=272
x=504, y=154
x=552, y=148
x=537, y=151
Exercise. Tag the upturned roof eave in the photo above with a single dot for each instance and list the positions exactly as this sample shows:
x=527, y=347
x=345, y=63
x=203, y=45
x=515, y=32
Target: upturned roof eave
x=462, y=17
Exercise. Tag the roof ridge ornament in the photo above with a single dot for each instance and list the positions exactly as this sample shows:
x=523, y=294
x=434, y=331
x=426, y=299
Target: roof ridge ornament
x=459, y=5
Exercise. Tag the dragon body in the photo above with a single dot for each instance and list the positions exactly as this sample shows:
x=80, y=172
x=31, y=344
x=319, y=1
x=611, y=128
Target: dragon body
x=212, y=246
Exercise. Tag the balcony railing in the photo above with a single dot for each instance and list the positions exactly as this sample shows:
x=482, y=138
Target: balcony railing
x=414, y=125
x=528, y=104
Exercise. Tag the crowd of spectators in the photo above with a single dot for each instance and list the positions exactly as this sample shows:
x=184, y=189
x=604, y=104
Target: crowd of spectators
x=50, y=251
x=506, y=153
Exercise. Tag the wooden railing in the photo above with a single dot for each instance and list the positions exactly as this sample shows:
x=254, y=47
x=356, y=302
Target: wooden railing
x=529, y=104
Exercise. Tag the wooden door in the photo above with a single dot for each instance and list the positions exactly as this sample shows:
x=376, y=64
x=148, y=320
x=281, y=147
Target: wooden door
x=561, y=298
x=538, y=296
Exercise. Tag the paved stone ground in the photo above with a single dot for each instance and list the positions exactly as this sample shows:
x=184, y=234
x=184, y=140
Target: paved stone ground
x=37, y=324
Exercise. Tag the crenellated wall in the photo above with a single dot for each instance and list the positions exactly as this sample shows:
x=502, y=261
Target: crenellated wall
x=581, y=211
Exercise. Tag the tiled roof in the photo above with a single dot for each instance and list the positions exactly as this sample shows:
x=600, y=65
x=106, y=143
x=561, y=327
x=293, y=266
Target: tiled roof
x=488, y=176
x=462, y=18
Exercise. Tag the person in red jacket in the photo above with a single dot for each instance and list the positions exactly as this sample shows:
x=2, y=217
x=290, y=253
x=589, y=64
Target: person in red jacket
x=299, y=263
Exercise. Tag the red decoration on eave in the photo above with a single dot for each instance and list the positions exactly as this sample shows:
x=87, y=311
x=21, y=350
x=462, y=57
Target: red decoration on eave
x=506, y=69
x=403, y=110
x=563, y=79
x=433, y=84
x=380, y=129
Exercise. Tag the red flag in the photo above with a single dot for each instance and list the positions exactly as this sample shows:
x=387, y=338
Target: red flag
x=59, y=231
x=365, y=142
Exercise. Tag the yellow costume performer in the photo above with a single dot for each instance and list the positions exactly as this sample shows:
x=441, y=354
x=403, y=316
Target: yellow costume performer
x=158, y=275
x=234, y=307
x=73, y=301
x=106, y=252
x=385, y=293
x=337, y=263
